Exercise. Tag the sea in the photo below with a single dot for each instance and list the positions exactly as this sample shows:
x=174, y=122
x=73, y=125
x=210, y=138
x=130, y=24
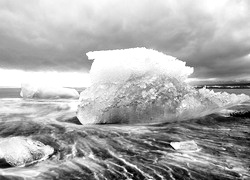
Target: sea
x=116, y=151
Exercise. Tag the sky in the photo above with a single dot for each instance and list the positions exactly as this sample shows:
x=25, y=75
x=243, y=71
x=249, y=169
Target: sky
x=47, y=40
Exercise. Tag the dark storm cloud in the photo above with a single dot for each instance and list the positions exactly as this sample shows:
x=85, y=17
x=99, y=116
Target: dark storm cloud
x=212, y=36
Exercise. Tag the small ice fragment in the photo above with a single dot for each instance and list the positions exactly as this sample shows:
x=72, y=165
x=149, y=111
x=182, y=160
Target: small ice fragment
x=21, y=151
x=185, y=146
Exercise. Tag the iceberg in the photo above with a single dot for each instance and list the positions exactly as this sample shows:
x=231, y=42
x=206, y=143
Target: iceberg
x=47, y=92
x=142, y=85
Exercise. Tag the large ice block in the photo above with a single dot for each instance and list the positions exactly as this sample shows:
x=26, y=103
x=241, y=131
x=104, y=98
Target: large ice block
x=144, y=86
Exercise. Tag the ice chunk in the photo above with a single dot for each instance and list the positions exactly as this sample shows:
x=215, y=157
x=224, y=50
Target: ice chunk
x=117, y=66
x=47, y=92
x=19, y=151
x=185, y=146
x=145, y=86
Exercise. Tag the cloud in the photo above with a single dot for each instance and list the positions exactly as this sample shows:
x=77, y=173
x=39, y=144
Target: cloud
x=211, y=36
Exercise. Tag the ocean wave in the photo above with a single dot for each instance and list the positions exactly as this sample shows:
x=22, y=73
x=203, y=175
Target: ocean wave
x=224, y=86
x=241, y=114
x=115, y=151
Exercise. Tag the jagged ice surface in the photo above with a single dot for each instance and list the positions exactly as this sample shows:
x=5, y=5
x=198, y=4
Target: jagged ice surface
x=145, y=86
x=117, y=66
x=19, y=151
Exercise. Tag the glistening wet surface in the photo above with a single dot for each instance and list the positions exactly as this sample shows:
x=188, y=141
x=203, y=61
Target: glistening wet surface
x=127, y=151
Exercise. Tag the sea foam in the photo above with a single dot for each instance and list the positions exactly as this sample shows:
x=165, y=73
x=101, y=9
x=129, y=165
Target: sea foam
x=145, y=86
